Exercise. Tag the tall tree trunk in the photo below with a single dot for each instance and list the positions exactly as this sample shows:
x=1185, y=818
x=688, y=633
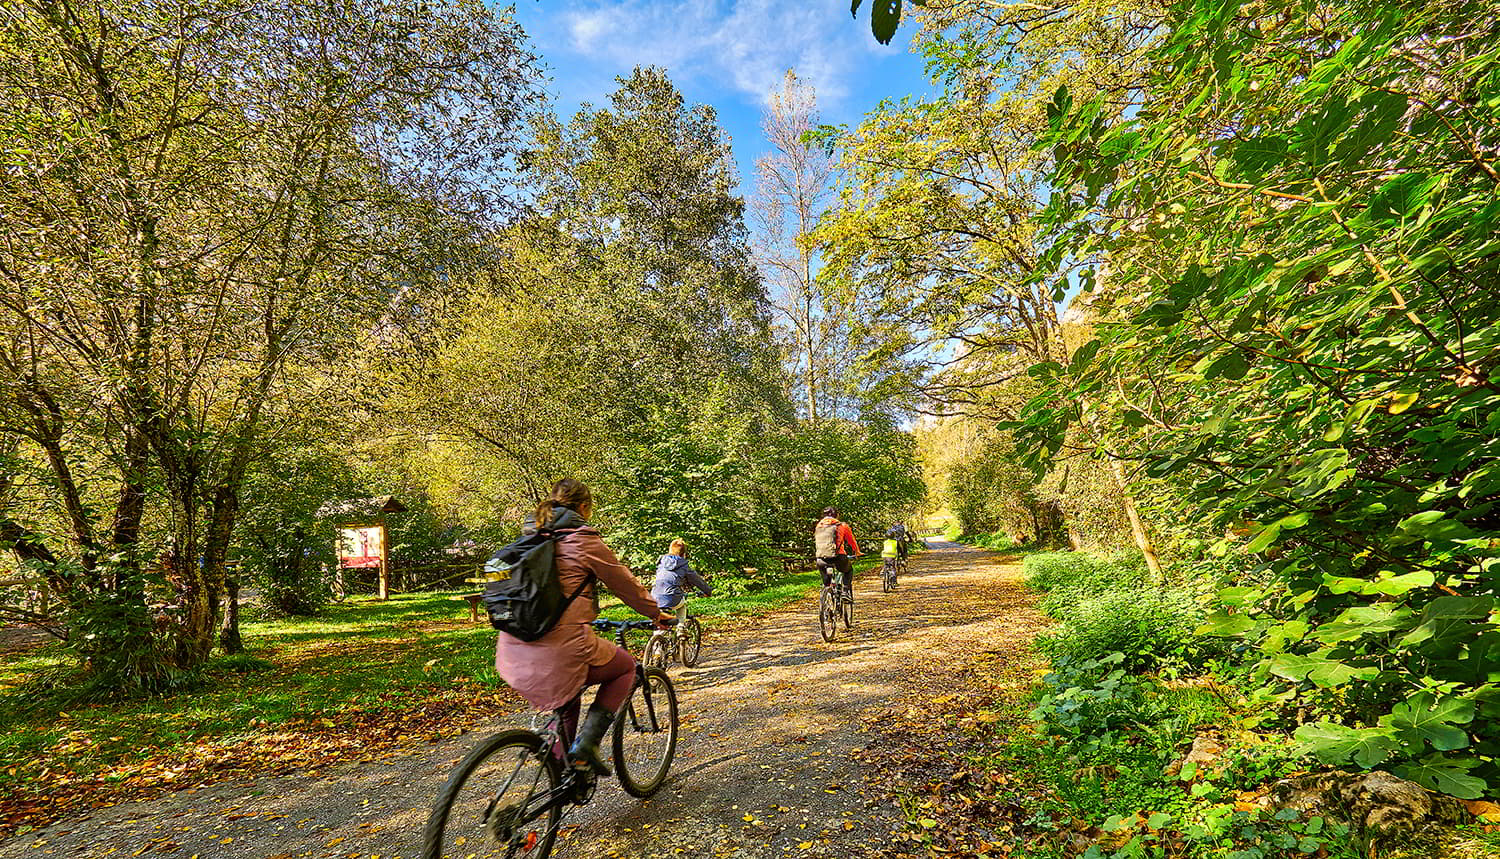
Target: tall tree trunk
x=1137, y=529
x=229, y=632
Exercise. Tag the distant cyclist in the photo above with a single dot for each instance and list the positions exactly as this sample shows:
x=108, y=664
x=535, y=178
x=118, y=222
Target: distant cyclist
x=674, y=576
x=834, y=546
x=902, y=537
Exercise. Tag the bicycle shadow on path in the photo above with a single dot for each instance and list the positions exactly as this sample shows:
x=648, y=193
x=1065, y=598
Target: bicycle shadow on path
x=764, y=766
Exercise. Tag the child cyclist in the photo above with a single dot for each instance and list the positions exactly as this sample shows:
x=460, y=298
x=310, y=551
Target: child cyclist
x=674, y=576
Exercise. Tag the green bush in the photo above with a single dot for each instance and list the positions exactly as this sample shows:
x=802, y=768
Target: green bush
x=998, y=541
x=1150, y=626
x=1079, y=572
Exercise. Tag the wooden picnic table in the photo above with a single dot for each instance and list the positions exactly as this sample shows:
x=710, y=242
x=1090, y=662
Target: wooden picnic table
x=474, y=599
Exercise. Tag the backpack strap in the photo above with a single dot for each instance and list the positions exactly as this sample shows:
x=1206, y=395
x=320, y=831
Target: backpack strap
x=558, y=535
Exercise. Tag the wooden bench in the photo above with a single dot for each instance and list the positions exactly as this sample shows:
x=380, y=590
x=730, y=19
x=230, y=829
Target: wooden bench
x=474, y=600
x=795, y=564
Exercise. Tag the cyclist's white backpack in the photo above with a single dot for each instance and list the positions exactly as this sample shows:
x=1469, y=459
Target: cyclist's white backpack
x=826, y=538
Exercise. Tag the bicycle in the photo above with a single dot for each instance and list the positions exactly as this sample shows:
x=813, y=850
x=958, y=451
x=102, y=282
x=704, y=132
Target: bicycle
x=509, y=795
x=890, y=570
x=684, y=640
x=836, y=602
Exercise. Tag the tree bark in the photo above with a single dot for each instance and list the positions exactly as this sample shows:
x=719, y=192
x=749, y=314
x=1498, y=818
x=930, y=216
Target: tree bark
x=229, y=632
x=1137, y=528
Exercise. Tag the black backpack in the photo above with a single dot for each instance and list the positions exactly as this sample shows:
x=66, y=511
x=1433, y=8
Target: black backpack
x=529, y=601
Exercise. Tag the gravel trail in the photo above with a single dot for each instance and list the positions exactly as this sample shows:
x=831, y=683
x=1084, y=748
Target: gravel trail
x=765, y=764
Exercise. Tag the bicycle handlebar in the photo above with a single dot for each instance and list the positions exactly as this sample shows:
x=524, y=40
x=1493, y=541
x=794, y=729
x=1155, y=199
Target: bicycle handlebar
x=617, y=625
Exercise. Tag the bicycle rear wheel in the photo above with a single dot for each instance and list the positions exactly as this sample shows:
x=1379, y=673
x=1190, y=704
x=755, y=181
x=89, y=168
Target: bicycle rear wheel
x=692, y=641
x=495, y=804
x=655, y=655
x=646, y=734
x=887, y=576
x=828, y=615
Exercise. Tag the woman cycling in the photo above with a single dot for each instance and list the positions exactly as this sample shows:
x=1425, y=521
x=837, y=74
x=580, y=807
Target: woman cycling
x=674, y=576
x=552, y=671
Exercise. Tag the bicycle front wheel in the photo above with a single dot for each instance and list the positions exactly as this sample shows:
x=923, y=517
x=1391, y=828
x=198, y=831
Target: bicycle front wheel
x=655, y=655
x=646, y=734
x=846, y=606
x=828, y=615
x=692, y=641
x=498, y=803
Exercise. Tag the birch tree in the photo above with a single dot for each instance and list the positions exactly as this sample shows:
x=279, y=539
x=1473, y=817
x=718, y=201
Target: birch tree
x=793, y=189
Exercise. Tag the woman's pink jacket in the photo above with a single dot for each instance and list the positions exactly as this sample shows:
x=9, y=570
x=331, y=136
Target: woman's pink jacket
x=550, y=671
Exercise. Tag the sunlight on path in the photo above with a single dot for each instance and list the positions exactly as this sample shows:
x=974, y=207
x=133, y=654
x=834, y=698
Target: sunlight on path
x=765, y=765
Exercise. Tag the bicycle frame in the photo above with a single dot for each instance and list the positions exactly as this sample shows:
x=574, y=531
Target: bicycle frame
x=551, y=734
x=673, y=635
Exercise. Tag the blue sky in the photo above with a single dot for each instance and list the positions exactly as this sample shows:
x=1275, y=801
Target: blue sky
x=727, y=53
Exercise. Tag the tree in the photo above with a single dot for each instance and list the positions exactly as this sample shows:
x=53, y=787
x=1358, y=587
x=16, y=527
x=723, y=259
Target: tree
x=936, y=243
x=199, y=198
x=626, y=293
x=1300, y=338
x=793, y=186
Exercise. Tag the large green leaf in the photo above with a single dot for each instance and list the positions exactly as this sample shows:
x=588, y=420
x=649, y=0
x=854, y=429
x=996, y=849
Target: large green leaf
x=1448, y=617
x=1445, y=775
x=1433, y=719
x=1360, y=621
x=1335, y=744
x=1320, y=669
x=1222, y=623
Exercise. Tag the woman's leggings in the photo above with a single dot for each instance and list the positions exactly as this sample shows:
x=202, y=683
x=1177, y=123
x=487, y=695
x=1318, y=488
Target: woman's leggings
x=615, y=679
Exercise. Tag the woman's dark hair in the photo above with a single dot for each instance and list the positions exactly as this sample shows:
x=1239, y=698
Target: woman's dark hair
x=830, y=511
x=568, y=493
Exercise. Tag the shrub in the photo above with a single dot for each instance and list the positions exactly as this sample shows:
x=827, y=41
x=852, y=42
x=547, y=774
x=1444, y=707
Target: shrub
x=1068, y=577
x=999, y=541
x=1150, y=626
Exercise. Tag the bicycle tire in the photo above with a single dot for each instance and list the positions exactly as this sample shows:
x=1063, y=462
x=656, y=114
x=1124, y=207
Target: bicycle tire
x=692, y=641
x=635, y=722
x=655, y=654
x=846, y=608
x=469, y=839
x=828, y=615
x=887, y=576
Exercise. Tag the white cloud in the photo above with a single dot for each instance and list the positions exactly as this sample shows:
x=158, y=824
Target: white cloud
x=746, y=45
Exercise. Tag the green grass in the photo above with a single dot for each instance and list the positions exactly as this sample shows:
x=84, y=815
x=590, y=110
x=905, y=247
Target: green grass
x=360, y=656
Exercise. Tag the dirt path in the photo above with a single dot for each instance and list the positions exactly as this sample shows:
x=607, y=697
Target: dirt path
x=766, y=764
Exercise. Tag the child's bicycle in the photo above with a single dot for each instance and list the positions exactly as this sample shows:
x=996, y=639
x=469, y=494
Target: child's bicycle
x=683, y=640
x=890, y=570
x=508, y=796
x=892, y=564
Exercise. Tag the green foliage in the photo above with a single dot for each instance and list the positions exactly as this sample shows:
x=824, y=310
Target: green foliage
x=679, y=487
x=1150, y=627
x=1300, y=238
x=1081, y=571
x=284, y=548
x=997, y=541
x=1108, y=609
x=246, y=193
x=1110, y=735
x=869, y=472
x=885, y=17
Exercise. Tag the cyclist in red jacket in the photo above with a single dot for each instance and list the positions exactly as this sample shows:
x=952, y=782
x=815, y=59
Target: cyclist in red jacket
x=834, y=547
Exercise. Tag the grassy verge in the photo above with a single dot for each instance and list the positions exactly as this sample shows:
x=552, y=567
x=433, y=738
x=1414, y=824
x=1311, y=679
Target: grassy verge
x=996, y=541
x=1128, y=737
x=307, y=692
